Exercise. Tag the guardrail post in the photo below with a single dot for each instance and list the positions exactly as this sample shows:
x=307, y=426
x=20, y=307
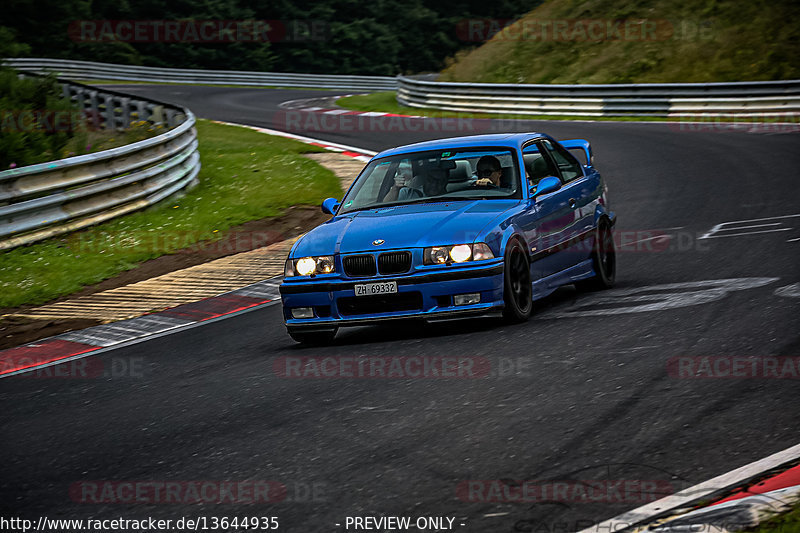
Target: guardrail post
x=141, y=110
x=94, y=111
x=157, y=114
x=108, y=112
x=125, y=117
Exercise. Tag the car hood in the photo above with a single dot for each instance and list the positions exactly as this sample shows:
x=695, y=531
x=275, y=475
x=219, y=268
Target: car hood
x=402, y=226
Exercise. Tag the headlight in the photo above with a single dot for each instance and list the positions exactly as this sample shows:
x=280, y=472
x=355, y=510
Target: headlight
x=324, y=264
x=436, y=255
x=458, y=253
x=461, y=253
x=481, y=251
x=307, y=266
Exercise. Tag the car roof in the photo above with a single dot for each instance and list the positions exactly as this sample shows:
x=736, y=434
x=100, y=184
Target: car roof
x=510, y=140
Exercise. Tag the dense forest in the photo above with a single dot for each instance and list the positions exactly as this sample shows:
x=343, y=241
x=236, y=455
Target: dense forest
x=381, y=37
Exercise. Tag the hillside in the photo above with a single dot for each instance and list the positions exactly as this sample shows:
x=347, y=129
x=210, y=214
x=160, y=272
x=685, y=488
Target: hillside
x=630, y=41
x=385, y=37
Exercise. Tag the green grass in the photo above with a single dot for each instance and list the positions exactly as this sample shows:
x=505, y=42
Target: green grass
x=785, y=523
x=245, y=176
x=387, y=103
x=692, y=41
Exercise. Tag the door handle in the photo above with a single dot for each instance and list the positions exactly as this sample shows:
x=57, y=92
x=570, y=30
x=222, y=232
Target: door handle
x=572, y=203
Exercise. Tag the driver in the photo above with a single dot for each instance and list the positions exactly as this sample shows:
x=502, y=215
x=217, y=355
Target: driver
x=488, y=172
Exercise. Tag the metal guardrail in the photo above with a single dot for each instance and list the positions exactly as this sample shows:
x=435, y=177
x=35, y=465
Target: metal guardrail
x=741, y=99
x=49, y=199
x=87, y=70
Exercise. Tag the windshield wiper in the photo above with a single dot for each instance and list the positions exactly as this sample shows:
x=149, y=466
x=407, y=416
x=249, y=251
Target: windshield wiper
x=447, y=198
x=426, y=200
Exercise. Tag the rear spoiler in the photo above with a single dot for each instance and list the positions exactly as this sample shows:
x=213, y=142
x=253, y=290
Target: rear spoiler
x=582, y=144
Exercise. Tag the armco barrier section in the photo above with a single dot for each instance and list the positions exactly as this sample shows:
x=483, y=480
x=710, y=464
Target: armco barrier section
x=88, y=70
x=740, y=99
x=49, y=199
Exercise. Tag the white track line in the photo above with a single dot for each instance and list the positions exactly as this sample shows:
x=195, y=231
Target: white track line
x=718, y=227
x=745, y=233
x=753, y=226
x=300, y=138
x=667, y=237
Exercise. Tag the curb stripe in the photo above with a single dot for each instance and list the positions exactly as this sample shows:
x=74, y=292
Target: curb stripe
x=713, y=488
x=213, y=307
x=789, y=478
x=82, y=343
x=30, y=356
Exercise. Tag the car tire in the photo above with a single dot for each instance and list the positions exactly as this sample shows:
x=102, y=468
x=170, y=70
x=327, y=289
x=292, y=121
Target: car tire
x=604, y=260
x=315, y=338
x=517, y=290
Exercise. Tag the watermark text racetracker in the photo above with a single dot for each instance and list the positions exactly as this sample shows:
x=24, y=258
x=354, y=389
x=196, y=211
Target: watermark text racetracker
x=394, y=367
x=732, y=122
x=116, y=367
x=42, y=120
x=197, y=31
x=733, y=367
x=565, y=491
x=209, y=492
x=301, y=121
x=170, y=241
x=403, y=367
x=581, y=30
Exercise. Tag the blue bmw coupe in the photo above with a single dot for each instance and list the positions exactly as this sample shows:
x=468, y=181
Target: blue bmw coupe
x=458, y=227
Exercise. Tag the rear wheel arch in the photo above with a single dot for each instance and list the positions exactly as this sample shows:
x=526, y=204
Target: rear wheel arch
x=603, y=258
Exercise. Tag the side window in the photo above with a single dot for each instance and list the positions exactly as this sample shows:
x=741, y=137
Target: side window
x=567, y=164
x=537, y=165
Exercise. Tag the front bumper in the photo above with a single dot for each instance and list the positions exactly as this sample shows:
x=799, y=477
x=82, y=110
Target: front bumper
x=424, y=294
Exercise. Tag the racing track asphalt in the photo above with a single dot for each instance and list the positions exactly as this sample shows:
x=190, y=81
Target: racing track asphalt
x=590, y=398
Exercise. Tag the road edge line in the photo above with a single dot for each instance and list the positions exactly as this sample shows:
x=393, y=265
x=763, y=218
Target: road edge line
x=703, y=491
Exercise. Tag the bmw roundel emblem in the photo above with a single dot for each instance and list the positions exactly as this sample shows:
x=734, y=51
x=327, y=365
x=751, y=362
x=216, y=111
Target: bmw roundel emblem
x=378, y=242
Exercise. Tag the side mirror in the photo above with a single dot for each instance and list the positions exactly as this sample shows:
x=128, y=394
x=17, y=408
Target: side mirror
x=545, y=186
x=330, y=205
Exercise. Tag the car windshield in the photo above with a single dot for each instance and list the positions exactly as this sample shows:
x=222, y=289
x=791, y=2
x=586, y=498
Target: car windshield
x=456, y=174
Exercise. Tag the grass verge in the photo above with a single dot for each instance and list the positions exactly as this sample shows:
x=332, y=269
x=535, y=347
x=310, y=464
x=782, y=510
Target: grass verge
x=245, y=176
x=784, y=523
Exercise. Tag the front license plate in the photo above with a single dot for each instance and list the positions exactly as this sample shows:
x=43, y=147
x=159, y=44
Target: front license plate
x=371, y=289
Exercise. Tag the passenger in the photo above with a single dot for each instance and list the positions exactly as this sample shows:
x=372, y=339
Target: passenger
x=403, y=180
x=433, y=183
